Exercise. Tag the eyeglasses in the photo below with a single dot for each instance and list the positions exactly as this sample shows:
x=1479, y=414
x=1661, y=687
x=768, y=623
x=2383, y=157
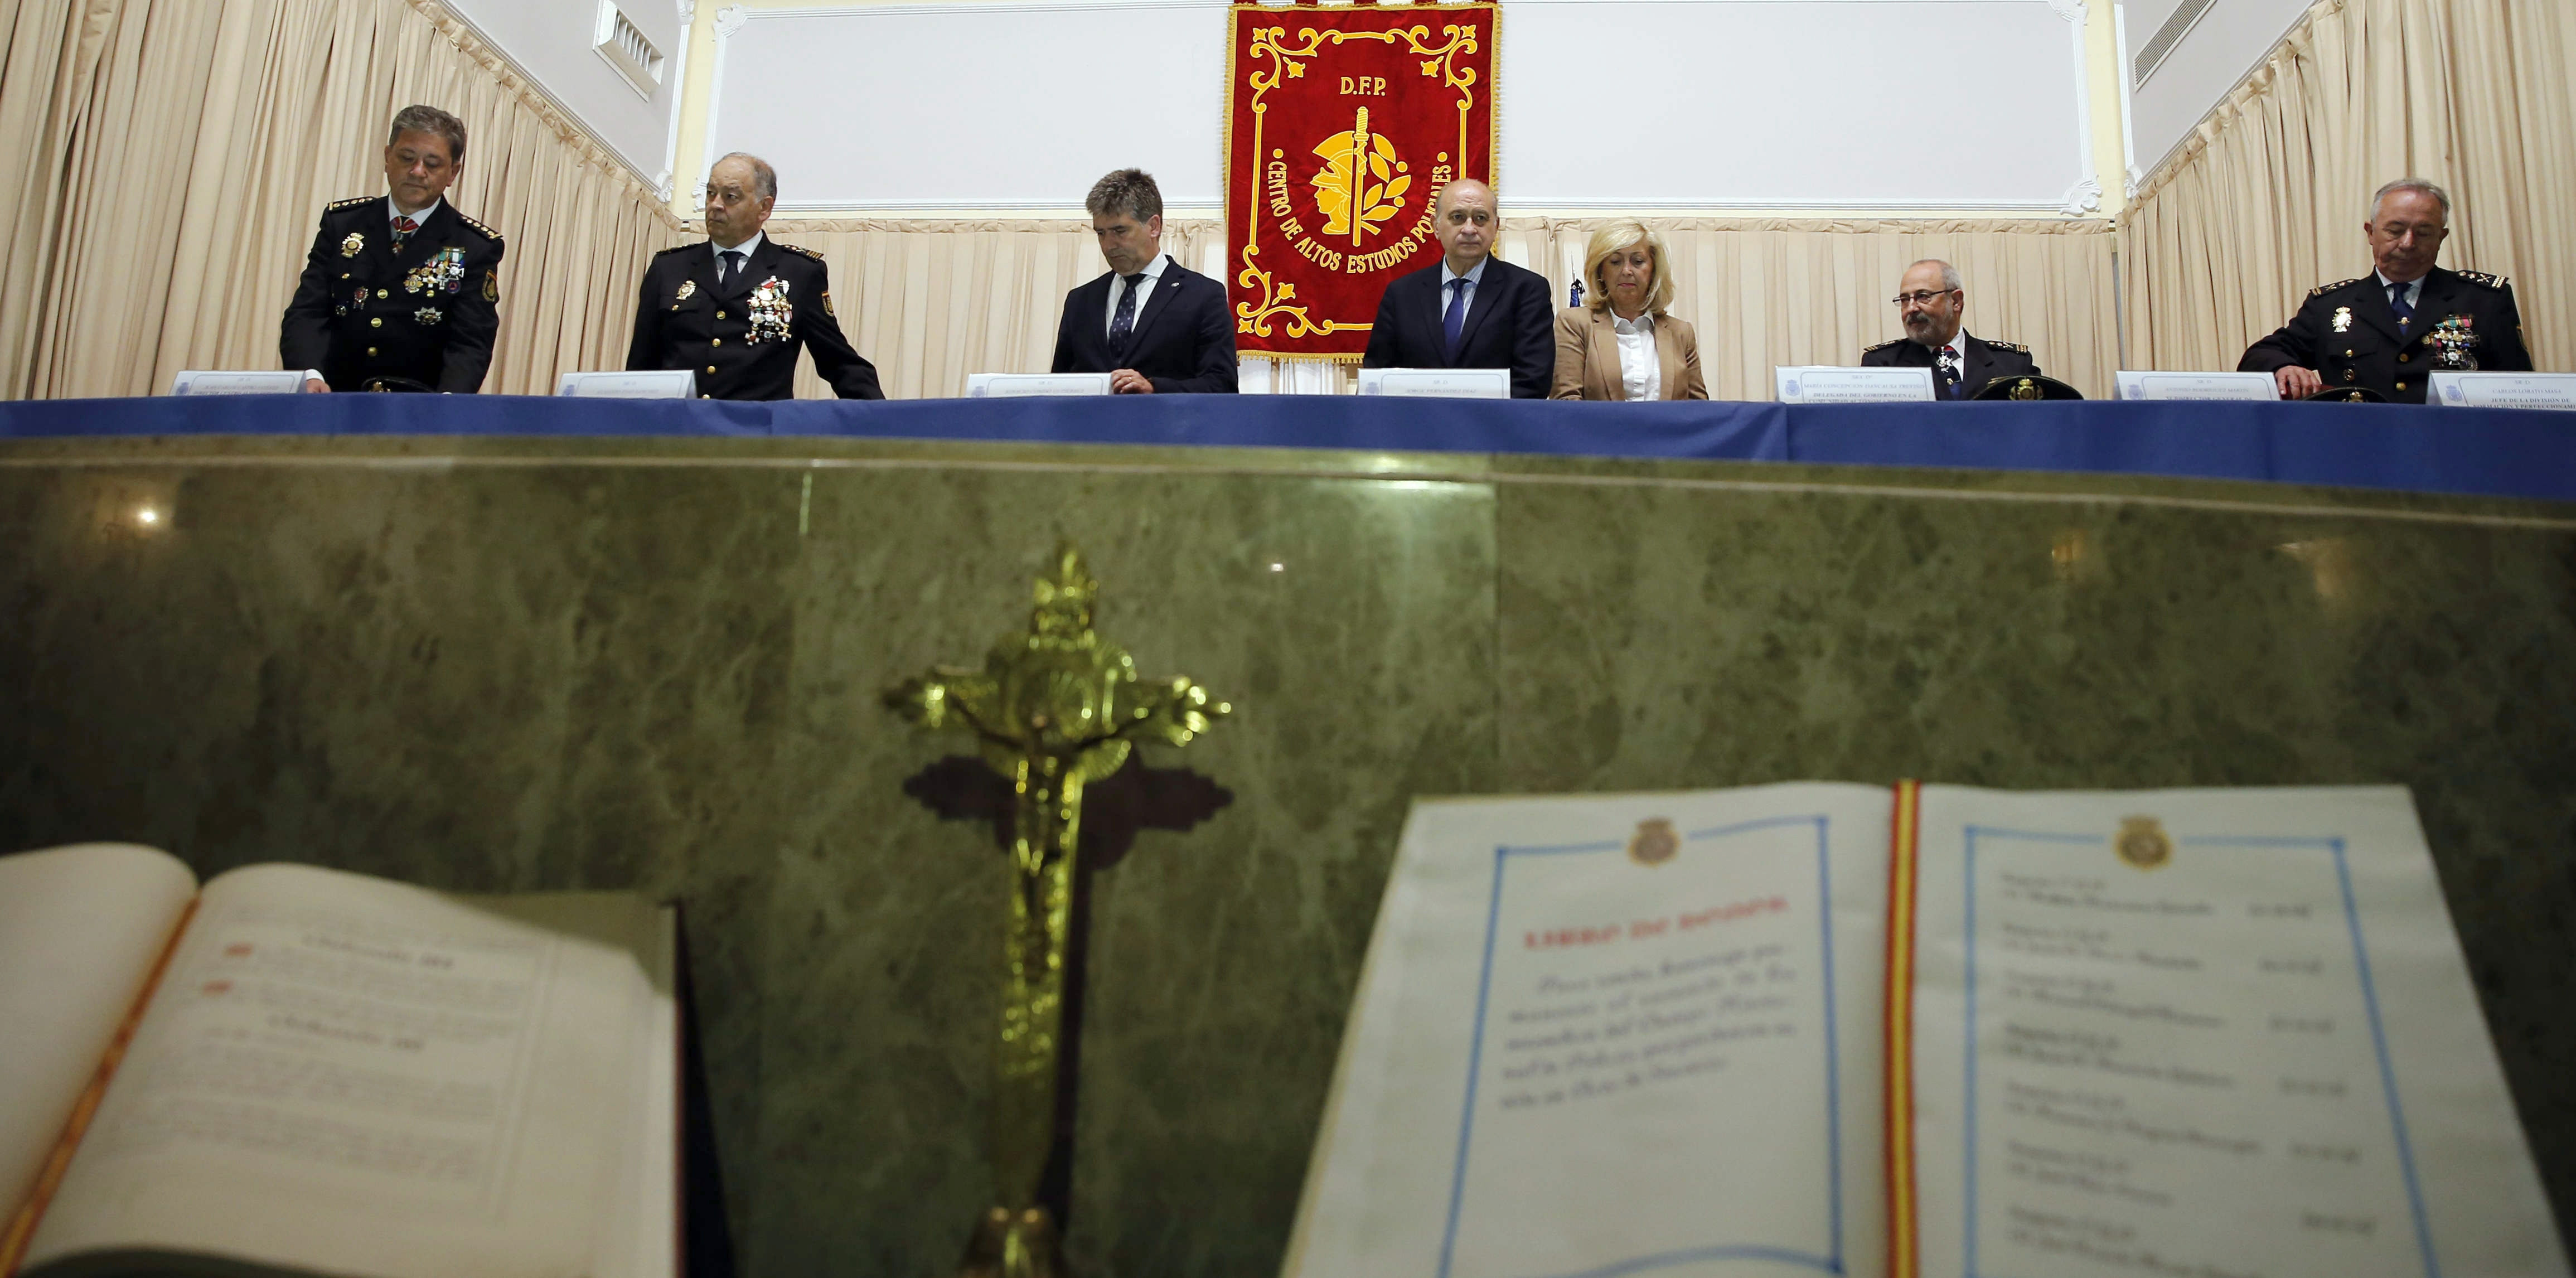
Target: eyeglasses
x=1921, y=298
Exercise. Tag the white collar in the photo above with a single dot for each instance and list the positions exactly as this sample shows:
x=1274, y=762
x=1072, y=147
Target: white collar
x=1475, y=275
x=1644, y=323
x=1152, y=270
x=746, y=248
x=421, y=218
x=2414, y=287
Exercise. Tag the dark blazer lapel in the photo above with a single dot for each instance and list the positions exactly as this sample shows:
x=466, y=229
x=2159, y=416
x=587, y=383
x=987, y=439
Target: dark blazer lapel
x=2374, y=309
x=1156, y=303
x=2440, y=299
x=1482, y=301
x=1087, y=309
x=760, y=266
x=1977, y=369
x=700, y=263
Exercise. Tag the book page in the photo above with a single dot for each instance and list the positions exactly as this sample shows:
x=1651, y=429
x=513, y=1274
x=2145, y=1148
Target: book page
x=351, y=1076
x=1607, y=1034
x=80, y=928
x=2215, y=1033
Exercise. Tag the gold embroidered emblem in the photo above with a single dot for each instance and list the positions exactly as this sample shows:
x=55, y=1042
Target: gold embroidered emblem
x=491, y=286
x=827, y=303
x=1362, y=183
x=771, y=314
x=2343, y=319
x=2142, y=843
x=2025, y=389
x=688, y=289
x=351, y=246
x=1654, y=843
x=429, y=315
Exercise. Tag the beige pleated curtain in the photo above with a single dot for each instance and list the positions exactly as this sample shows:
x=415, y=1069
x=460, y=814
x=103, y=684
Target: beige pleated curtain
x=162, y=164
x=2266, y=199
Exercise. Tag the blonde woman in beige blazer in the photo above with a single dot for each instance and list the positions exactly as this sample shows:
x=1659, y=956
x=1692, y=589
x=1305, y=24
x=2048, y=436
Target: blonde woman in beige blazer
x=1622, y=344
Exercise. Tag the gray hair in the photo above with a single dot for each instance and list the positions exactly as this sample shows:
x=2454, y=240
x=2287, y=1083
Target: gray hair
x=432, y=121
x=2439, y=195
x=1128, y=191
x=763, y=177
x=1949, y=273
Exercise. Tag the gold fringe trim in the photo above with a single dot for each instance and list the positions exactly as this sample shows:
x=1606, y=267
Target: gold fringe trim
x=1285, y=357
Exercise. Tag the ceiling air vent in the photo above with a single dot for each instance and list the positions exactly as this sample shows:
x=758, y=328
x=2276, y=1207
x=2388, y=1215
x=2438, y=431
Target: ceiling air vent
x=2177, y=25
x=625, y=48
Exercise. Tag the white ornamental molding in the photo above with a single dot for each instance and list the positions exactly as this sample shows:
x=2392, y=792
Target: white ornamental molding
x=730, y=18
x=2075, y=11
x=2082, y=198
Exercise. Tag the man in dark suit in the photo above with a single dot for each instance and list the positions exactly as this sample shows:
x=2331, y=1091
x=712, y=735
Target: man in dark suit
x=1472, y=310
x=401, y=291
x=1933, y=305
x=1152, y=324
x=734, y=308
x=2386, y=330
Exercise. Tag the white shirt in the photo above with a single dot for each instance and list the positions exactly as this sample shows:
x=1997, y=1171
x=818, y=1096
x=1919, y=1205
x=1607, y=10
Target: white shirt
x=1467, y=300
x=746, y=248
x=2414, y=287
x=418, y=219
x=1153, y=274
x=1638, y=367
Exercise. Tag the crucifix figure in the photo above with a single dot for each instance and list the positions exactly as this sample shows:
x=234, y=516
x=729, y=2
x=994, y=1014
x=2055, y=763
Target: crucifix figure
x=1052, y=709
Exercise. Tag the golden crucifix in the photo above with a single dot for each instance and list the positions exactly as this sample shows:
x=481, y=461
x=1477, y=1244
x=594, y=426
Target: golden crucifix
x=1052, y=710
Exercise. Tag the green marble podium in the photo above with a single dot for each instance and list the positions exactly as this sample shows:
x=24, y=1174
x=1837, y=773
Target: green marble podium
x=515, y=664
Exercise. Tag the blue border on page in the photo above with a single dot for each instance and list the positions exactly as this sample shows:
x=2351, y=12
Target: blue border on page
x=1831, y=1264
x=2361, y=965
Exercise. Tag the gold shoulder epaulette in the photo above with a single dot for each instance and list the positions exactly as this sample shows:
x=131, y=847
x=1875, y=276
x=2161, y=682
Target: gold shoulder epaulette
x=485, y=231
x=1880, y=347
x=682, y=248
x=2482, y=279
x=2323, y=289
x=2015, y=347
x=337, y=205
x=800, y=250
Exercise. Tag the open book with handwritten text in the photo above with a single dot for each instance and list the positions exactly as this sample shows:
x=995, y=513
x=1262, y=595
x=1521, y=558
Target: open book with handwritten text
x=302, y=1071
x=1931, y=1032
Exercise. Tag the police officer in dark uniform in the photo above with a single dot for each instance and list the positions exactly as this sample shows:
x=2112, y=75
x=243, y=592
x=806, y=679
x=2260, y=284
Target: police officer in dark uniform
x=1931, y=302
x=400, y=292
x=2385, y=331
x=734, y=308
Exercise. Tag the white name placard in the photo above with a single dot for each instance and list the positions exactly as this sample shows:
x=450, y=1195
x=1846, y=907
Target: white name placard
x=284, y=381
x=678, y=383
x=2251, y=387
x=2504, y=390
x=1017, y=385
x=1826, y=384
x=1437, y=383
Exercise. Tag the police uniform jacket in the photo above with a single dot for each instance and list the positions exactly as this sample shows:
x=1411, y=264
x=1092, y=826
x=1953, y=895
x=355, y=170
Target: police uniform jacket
x=741, y=337
x=2347, y=333
x=426, y=311
x=1983, y=361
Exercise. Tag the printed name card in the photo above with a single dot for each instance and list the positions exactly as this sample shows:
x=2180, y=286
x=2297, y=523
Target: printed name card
x=660, y=384
x=2505, y=390
x=2249, y=387
x=1018, y=385
x=285, y=381
x=1437, y=383
x=1825, y=384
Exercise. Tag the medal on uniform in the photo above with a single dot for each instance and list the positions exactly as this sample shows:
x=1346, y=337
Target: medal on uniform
x=350, y=246
x=2343, y=319
x=428, y=315
x=2451, y=340
x=771, y=313
x=442, y=273
x=688, y=289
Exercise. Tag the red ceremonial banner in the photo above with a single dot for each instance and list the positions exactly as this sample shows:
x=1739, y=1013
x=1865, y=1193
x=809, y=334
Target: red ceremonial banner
x=1341, y=126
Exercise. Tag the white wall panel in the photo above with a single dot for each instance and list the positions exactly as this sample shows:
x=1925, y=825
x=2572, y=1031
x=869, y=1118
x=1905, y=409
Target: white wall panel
x=1639, y=104
x=1801, y=103
x=552, y=40
x=977, y=105
x=2230, y=38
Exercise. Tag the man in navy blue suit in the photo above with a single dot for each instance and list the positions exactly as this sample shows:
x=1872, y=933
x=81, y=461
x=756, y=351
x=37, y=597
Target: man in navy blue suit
x=1472, y=309
x=1153, y=325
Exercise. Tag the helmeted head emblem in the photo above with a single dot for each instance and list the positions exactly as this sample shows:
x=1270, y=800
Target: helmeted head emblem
x=1654, y=843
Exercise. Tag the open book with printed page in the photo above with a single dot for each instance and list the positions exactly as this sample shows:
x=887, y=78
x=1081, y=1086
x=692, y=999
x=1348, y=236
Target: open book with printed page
x=1926, y=1032
x=302, y=1071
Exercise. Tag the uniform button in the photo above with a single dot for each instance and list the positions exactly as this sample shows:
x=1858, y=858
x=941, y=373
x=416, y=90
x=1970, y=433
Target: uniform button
x=344, y=275
x=371, y=352
x=377, y=322
x=711, y=368
x=2401, y=359
x=2401, y=385
x=707, y=396
x=719, y=341
x=2347, y=374
x=2347, y=354
x=380, y=295
x=719, y=314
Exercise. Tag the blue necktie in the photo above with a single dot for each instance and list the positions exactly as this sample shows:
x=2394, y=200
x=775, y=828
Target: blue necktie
x=2397, y=302
x=1123, y=324
x=1454, y=320
x=731, y=267
x=1948, y=364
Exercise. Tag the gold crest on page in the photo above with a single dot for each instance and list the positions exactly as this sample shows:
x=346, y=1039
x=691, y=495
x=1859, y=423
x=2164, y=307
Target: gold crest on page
x=1654, y=843
x=2142, y=842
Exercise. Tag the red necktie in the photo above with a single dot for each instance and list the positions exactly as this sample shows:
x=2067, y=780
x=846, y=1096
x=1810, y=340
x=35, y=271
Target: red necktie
x=403, y=227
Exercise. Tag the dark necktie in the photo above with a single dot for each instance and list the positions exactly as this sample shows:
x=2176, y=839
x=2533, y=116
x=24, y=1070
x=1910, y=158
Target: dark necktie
x=1123, y=324
x=403, y=227
x=2397, y=302
x=731, y=268
x=1948, y=365
x=1454, y=320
